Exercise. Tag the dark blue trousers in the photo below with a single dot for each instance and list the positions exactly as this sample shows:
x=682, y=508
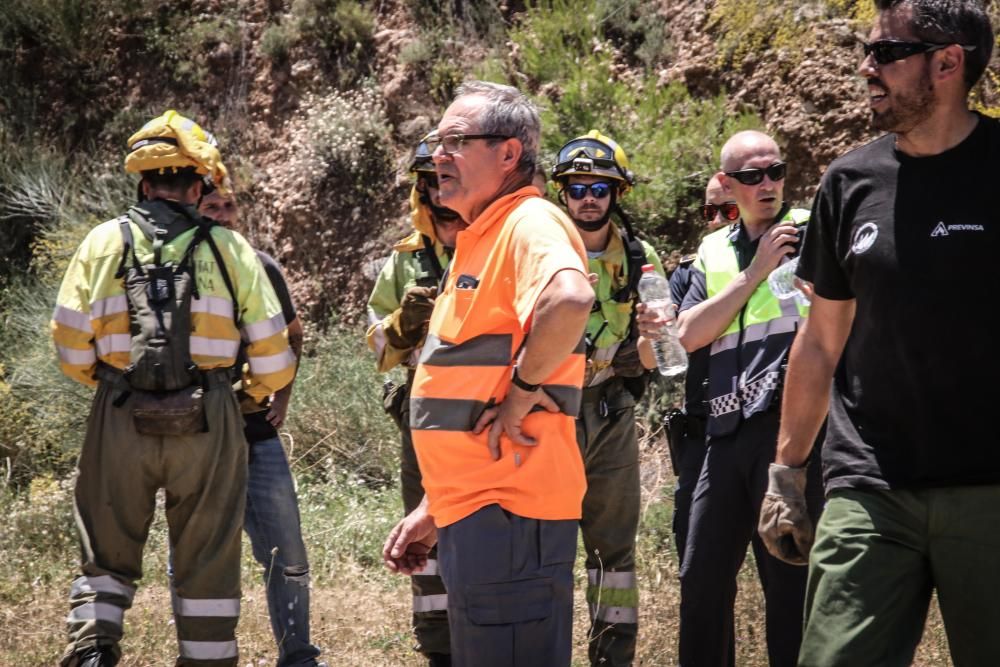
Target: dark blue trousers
x=723, y=522
x=510, y=589
x=690, y=457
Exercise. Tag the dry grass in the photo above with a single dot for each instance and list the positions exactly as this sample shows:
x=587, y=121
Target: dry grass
x=361, y=614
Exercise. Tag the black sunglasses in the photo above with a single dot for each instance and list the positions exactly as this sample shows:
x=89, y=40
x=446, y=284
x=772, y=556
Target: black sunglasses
x=885, y=51
x=600, y=190
x=730, y=211
x=775, y=172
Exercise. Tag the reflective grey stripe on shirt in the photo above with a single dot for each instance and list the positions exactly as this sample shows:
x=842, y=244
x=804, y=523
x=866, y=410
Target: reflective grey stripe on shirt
x=444, y=414
x=758, y=331
x=485, y=350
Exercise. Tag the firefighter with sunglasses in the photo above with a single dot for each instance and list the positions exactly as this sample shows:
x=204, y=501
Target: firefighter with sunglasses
x=730, y=308
x=399, y=310
x=591, y=174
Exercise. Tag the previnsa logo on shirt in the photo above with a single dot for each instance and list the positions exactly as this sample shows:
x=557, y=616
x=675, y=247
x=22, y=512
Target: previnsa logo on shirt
x=942, y=229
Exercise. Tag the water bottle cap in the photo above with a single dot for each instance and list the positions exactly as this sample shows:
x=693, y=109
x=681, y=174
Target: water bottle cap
x=647, y=268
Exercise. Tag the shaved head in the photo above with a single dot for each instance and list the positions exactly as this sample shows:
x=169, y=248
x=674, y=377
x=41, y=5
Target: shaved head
x=715, y=193
x=746, y=145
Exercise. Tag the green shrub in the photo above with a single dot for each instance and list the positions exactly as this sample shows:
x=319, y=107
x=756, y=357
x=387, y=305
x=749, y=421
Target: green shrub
x=343, y=29
x=336, y=421
x=278, y=39
x=671, y=138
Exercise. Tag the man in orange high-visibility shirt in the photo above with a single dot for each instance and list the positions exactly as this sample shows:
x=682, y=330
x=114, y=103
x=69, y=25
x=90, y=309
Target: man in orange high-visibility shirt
x=496, y=393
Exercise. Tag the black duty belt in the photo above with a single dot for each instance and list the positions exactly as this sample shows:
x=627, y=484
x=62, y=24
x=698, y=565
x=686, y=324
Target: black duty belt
x=213, y=377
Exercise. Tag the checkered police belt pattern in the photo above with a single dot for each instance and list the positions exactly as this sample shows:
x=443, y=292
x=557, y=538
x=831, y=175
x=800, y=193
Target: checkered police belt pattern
x=750, y=394
x=725, y=404
x=756, y=390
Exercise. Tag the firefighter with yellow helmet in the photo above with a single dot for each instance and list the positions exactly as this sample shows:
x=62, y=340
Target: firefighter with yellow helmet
x=592, y=174
x=151, y=311
x=399, y=310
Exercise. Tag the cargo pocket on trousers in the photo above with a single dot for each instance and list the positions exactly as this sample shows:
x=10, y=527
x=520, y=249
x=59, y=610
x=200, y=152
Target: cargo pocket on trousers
x=509, y=602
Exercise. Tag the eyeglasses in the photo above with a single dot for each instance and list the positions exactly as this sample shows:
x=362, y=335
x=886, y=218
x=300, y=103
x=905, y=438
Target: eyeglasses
x=452, y=143
x=885, y=51
x=730, y=211
x=578, y=191
x=775, y=172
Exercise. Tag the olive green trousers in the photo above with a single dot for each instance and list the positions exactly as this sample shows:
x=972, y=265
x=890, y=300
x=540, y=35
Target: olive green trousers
x=606, y=433
x=204, y=479
x=878, y=556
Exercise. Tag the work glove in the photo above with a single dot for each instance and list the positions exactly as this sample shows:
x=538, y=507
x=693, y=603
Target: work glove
x=785, y=526
x=407, y=325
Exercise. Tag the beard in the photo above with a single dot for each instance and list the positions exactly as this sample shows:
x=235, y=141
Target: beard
x=907, y=108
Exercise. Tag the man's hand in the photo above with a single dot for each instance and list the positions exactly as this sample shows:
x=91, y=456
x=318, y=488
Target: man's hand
x=506, y=417
x=651, y=321
x=405, y=550
x=785, y=526
x=806, y=288
x=279, y=408
x=774, y=244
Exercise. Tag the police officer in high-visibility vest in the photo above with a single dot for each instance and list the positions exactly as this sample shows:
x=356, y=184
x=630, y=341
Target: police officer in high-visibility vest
x=592, y=173
x=151, y=311
x=399, y=309
x=730, y=307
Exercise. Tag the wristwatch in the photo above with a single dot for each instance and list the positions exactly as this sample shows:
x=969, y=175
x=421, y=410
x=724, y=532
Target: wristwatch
x=518, y=382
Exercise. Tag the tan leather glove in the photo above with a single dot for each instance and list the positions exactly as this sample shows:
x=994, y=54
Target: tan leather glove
x=785, y=526
x=407, y=325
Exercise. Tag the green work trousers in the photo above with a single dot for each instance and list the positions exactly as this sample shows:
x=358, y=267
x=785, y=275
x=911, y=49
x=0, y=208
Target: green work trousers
x=879, y=554
x=606, y=433
x=204, y=476
x=430, y=601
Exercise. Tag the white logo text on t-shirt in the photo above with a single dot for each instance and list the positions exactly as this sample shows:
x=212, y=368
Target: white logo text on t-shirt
x=940, y=229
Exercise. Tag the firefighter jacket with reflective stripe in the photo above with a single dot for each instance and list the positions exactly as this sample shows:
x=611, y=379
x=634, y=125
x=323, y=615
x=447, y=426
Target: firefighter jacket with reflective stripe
x=91, y=318
x=402, y=270
x=745, y=361
x=503, y=262
x=608, y=325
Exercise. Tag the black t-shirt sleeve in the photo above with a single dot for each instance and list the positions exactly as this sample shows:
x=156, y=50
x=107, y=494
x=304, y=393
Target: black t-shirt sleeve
x=277, y=279
x=697, y=290
x=818, y=263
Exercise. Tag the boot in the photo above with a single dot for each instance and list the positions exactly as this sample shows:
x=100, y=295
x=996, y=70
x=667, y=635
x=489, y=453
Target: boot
x=438, y=660
x=95, y=656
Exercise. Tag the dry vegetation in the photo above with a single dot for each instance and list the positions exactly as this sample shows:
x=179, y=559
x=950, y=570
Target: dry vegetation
x=360, y=612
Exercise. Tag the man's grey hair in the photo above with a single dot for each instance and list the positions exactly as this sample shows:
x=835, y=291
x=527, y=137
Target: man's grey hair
x=509, y=113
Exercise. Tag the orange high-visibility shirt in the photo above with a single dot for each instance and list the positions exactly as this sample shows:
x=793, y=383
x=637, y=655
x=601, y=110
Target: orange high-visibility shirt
x=503, y=261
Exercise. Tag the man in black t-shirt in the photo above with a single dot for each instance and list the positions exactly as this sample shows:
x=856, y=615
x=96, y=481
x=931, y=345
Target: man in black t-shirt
x=901, y=252
x=272, y=510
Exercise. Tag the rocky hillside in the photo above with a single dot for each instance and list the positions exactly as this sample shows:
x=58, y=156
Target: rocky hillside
x=318, y=102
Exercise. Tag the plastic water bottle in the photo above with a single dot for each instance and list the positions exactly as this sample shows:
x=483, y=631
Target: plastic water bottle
x=654, y=291
x=782, y=282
